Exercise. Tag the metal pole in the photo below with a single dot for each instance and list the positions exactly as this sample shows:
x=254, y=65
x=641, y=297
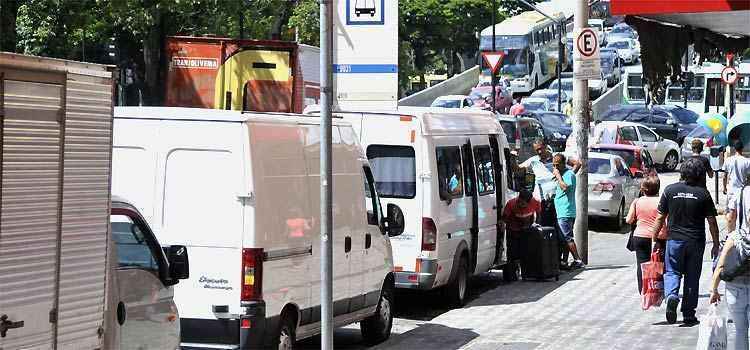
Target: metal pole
x=685, y=89
x=326, y=178
x=492, y=72
x=560, y=57
x=728, y=92
x=581, y=113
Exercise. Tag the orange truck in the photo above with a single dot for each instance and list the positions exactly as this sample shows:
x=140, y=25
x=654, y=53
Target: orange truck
x=252, y=75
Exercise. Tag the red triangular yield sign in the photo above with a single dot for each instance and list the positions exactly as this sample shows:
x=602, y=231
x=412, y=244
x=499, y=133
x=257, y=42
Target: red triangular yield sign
x=493, y=59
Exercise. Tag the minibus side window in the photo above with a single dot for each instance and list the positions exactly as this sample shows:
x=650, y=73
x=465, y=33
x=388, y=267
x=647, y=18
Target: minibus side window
x=485, y=171
x=450, y=174
x=132, y=248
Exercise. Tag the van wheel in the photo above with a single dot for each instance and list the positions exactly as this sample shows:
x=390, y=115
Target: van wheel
x=377, y=328
x=457, y=290
x=286, y=337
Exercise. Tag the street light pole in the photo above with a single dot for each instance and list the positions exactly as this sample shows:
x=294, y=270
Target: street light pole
x=492, y=71
x=326, y=178
x=581, y=113
x=560, y=52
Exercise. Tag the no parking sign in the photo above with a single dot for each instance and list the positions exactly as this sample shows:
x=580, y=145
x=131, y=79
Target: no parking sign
x=586, y=63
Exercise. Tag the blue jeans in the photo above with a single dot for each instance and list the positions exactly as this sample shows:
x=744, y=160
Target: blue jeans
x=683, y=258
x=738, y=303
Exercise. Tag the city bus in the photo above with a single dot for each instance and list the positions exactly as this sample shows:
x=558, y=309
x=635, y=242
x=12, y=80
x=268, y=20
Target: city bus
x=530, y=44
x=705, y=95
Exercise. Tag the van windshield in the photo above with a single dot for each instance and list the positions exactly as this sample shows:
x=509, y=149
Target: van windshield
x=394, y=169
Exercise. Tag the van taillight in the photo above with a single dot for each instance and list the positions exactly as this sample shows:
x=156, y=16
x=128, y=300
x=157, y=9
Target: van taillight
x=252, y=274
x=429, y=235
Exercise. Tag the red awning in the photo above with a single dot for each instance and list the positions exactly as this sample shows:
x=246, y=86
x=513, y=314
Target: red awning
x=657, y=7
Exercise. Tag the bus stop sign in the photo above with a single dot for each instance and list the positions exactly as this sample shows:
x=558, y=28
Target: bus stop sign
x=586, y=63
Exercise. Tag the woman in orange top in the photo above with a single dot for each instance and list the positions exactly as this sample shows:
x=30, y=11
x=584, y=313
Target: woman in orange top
x=643, y=214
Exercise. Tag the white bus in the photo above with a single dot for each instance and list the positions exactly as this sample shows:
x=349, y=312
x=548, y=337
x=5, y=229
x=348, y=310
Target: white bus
x=530, y=43
x=706, y=94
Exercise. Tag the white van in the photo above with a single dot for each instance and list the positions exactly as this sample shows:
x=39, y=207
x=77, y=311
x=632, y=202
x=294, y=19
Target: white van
x=242, y=191
x=450, y=233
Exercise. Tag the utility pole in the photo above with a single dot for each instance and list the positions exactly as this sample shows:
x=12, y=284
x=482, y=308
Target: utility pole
x=326, y=178
x=492, y=71
x=581, y=112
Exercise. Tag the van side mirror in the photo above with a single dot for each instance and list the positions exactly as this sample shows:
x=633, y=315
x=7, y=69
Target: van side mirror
x=394, y=221
x=179, y=265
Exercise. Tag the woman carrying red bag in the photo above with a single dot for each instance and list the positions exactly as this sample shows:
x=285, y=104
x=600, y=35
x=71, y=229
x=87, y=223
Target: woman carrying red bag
x=643, y=214
x=653, y=281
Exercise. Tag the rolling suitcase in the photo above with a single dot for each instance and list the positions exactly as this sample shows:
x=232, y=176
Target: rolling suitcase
x=541, y=255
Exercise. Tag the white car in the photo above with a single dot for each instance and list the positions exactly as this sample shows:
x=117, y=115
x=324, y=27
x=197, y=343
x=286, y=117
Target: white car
x=598, y=26
x=453, y=101
x=663, y=151
x=536, y=104
x=612, y=187
x=597, y=87
x=626, y=49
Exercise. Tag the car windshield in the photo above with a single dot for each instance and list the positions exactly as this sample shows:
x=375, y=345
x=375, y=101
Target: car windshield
x=616, y=114
x=685, y=116
x=447, y=104
x=509, y=128
x=627, y=155
x=476, y=95
x=599, y=166
x=619, y=45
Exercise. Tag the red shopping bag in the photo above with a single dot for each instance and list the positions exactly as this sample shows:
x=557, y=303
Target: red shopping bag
x=653, y=281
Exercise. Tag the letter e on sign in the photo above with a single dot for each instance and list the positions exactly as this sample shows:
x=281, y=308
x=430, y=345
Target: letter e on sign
x=587, y=43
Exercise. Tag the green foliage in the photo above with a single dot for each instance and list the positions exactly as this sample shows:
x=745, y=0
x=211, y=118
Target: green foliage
x=306, y=19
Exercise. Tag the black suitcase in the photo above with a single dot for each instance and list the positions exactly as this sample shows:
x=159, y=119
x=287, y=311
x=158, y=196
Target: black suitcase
x=541, y=255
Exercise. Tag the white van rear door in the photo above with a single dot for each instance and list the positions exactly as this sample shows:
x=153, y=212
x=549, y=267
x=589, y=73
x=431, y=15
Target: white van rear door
x=202, y=209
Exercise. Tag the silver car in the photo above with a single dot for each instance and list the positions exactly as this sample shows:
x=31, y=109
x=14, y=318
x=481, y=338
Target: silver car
x=612, y=187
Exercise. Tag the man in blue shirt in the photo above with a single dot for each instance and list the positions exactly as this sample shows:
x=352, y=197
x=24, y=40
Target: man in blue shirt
x=565, y=206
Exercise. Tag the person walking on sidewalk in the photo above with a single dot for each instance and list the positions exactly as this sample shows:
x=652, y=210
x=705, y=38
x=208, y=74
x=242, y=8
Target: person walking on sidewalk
x=643, y=214
x=738, y=289
x=697, y=147
x=565, y=205
x=519, y=214
x=737, y=168
x=688, y=206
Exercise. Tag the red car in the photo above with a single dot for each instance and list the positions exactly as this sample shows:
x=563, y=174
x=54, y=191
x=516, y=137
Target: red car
x=637, y=159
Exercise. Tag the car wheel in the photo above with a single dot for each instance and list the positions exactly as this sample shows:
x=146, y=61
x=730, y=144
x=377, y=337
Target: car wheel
x=377, y=328
x=286, y=335
x=457, y=290
x=671, y=160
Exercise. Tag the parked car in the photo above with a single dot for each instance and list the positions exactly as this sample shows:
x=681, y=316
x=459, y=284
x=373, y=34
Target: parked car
x=669, y=121
x=611, y=65
x=567, y=84
x=521, y=132
x=597, y=87
x=612, y=187
x=626, y=49
x=636, y=158
x=556, y=127
x=536, y=104
x=551, y=96
x=241, y=191
x=665, y=153
x=453, y=101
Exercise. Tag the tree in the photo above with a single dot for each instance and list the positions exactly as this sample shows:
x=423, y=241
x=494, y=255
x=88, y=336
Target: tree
x=8, y=15
x=306, y=21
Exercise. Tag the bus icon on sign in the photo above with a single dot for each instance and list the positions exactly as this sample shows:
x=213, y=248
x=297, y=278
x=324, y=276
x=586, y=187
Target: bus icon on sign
x=364, y=7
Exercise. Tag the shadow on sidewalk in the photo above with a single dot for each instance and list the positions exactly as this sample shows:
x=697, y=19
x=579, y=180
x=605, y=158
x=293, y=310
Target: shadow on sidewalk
x=431, y=336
